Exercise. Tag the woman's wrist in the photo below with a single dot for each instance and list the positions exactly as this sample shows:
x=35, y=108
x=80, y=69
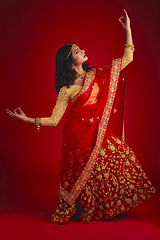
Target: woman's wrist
x=128, y=29
x=129, y=36
x=29, y=120
x=37, y=121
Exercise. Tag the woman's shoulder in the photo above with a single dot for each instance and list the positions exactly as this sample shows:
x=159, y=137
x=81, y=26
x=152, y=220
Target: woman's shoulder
x=71, y=90
x=63, y=92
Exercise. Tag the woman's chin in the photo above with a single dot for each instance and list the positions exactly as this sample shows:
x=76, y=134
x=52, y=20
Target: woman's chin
x=85, y=59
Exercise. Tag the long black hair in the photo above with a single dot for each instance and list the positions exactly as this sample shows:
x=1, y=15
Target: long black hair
x=65, y=75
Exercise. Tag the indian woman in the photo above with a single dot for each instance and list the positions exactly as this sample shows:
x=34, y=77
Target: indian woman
x=100, y=175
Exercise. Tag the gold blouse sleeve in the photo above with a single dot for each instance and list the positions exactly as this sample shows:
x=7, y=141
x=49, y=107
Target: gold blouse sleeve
x=59, y=109
x=127, y=57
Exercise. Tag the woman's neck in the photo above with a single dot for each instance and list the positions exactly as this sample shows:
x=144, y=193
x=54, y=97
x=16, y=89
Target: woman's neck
x=80, y=74
x=79, y=69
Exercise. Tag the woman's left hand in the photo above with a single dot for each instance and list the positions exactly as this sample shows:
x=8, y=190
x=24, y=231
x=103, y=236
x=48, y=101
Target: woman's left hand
x=126, y=24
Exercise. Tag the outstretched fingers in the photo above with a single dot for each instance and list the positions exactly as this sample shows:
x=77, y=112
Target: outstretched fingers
x=10, y=113
x=126, y=13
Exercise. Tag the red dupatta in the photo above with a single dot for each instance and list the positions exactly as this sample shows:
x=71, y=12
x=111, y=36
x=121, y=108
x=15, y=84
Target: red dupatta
x=96, y=109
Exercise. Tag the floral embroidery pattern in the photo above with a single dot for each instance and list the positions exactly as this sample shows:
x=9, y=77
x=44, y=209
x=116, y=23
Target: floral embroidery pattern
x=71, y=197
x=116, y=184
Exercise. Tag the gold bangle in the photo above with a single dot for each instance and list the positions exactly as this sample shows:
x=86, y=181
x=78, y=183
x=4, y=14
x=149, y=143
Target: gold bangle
x=129, y=45
x=37, y=123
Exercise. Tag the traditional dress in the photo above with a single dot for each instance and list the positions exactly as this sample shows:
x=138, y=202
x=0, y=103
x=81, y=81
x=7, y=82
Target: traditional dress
x=100, y=174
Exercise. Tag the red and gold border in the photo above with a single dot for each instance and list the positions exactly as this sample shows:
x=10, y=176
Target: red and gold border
x=71, y=197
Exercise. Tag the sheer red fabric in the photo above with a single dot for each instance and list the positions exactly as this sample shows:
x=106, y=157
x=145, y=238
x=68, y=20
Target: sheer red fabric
x=96, y=109
x=100, y=176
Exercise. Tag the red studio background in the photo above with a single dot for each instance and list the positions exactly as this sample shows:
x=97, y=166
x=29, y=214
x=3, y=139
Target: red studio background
x=31, y=32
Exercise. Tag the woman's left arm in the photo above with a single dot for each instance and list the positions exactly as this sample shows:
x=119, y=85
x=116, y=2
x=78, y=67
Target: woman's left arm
x=129, y=47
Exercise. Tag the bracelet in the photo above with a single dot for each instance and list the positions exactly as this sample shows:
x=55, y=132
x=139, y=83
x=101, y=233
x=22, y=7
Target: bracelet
x=37, y=123
x=129, y=45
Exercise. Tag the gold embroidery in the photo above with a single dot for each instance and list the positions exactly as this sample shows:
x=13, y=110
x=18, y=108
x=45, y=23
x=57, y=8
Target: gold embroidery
x=56, y=218
x=135, y=198
x=127, y=57
x=128, y=200
x=112, y=203
x=107, y=205
x=103, y=167
x=127, y=163
x=102, y=153
x=146, y=185
x=59, y=109
x=99, y=177
x=61, y=213
x=123, y=208
x=132, y=158
x=119, y=202
x=121, y=191
x=98, y=169
x=106, y=175
x=112, y=148
x=104, y=189
x=90, y=211
x=82, y=180
x=131, y=186
x=143, y=197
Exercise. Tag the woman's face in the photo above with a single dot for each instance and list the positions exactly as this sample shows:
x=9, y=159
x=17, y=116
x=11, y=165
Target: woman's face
x=78, y=55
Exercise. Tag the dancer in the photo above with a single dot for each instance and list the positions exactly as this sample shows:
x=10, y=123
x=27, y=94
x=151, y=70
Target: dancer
x=100, y=174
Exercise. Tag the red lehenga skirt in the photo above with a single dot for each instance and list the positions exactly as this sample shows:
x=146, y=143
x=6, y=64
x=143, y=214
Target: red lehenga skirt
x=100, y=176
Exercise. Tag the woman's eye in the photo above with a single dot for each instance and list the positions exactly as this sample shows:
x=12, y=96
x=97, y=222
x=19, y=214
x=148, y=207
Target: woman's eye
x=77, y=51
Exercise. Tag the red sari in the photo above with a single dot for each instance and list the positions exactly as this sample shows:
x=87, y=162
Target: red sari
x=100, y=173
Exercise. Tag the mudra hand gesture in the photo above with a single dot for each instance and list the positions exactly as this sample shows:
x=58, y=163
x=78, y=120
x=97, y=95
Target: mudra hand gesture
x=126, y=24
x=17, y=113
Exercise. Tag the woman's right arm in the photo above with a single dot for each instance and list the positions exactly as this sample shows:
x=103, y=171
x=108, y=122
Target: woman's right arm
x=57, y=113
x=59, y=109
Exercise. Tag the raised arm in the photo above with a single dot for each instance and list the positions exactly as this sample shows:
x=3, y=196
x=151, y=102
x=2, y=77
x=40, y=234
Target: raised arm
x=57, y=113
x=129, y=47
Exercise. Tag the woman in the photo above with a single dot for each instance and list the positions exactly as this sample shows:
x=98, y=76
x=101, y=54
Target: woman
x=100, y=174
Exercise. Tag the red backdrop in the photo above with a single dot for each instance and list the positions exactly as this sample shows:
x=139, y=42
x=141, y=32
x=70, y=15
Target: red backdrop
x=31, y=33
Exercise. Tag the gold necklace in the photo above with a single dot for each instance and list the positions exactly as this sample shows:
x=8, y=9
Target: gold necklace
x=80, y=75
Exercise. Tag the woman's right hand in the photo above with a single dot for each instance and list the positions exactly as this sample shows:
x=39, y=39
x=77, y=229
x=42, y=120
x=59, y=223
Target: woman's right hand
x=18, y=113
